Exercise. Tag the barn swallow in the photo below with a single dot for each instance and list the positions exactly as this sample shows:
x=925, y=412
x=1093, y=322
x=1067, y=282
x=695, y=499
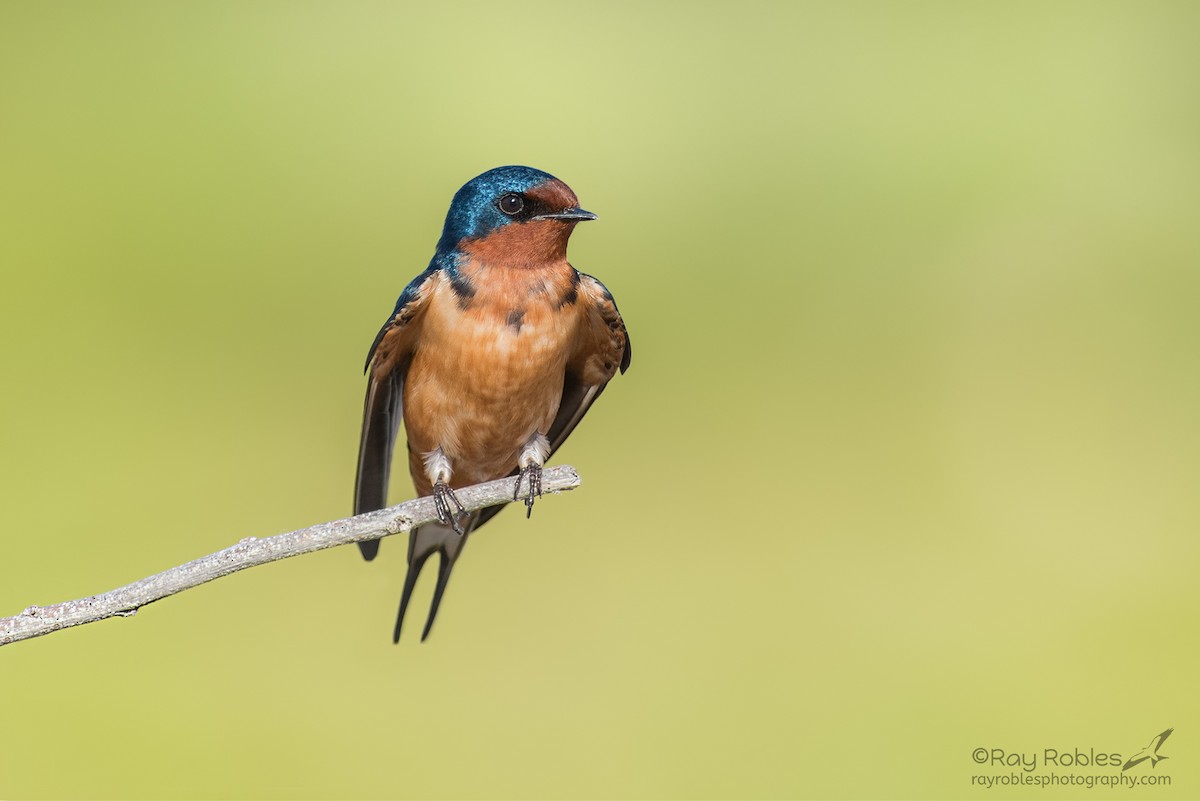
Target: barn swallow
x=491, y=358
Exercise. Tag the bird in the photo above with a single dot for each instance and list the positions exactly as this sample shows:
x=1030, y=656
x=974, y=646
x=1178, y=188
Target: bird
x=490, y=358
x=1150, y=752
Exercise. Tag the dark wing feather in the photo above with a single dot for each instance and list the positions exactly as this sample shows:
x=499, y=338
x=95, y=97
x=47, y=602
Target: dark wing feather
x=383, y=408
x=577, y=398
x=382, y=412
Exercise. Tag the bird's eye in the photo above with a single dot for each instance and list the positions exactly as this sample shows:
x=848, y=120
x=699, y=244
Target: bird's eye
x=512, y=204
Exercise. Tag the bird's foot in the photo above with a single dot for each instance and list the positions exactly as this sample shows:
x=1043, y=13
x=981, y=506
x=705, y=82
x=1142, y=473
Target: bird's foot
x=443, y=496
x=532, y=473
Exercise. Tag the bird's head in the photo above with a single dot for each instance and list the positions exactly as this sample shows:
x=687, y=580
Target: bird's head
x=515, y=214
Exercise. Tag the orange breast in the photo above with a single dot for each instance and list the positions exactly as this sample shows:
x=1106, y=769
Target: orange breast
x=488, y=370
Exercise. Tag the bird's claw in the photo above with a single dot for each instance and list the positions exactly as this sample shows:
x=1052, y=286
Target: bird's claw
x=443, y=496
x=533, y=473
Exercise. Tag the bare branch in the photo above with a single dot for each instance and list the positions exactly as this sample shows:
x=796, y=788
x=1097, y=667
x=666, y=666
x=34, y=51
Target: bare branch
x=125, y=601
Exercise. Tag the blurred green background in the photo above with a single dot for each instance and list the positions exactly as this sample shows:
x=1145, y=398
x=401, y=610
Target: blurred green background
x=906, y=463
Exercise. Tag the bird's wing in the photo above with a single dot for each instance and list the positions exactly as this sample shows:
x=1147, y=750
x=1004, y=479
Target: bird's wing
x=387, y=362
x=603, y=348
x=1160, y=739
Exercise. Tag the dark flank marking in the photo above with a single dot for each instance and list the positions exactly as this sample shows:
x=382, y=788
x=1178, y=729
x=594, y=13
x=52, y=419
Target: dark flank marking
x=515, y=318
x=572, y=293
x=463, y=290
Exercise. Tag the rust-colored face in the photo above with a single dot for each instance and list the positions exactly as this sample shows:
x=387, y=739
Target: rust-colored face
x=529, y=240
x=554, y=195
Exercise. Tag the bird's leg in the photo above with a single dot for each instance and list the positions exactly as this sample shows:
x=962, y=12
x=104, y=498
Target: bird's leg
x=443, y=496
x=437, y=468
x=533, y=456
x=534, y=474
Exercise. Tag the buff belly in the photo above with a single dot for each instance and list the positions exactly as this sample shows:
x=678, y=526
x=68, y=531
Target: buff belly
x=481, y=383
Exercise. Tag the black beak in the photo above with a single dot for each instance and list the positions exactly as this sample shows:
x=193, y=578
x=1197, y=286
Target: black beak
x=572, y=215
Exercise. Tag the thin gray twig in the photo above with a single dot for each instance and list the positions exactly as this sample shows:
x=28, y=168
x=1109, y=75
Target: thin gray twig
x=125, y=601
